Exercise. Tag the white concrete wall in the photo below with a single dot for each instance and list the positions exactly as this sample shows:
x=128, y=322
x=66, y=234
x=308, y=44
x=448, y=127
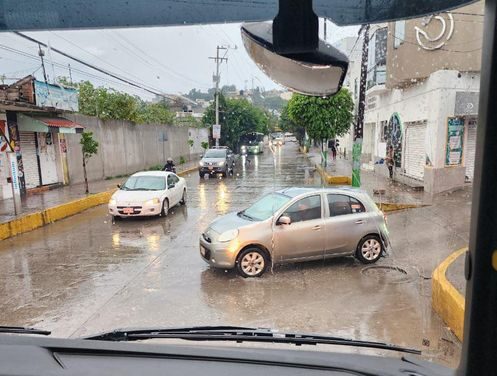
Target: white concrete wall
x=126, y=147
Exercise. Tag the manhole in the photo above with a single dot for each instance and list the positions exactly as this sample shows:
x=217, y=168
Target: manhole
x=387, y=273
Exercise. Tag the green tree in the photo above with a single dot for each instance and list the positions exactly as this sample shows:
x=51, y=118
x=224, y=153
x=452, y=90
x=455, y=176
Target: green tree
x=154, y=113
x=237, y=117
x=323, y=118
x=89, y=147
x=288, y=125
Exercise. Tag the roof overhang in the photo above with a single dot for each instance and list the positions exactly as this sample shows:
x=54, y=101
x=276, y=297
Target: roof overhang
x=47, y=124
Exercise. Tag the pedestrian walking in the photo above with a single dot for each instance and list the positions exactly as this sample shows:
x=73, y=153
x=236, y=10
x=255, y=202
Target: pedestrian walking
x=390, y=160
x=332, y=146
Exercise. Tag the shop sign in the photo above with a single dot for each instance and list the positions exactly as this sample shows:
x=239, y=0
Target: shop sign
x=454, y=148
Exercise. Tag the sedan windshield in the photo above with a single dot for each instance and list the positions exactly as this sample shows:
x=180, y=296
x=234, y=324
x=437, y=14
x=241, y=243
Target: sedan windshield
x=266, y=206
x=144, y=183
x=215, y=153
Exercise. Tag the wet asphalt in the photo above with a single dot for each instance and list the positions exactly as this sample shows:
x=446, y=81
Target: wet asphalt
x=86, y=274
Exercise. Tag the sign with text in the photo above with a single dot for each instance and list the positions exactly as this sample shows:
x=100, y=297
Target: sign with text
x=14, y=173
x=47, y=95
x=454, y=148
x=216, y=131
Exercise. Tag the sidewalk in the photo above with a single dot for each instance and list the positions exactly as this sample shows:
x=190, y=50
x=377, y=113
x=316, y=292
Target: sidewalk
x=381, y=188
x=37, y=202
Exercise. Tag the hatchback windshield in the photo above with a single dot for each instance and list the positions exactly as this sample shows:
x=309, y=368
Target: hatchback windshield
x=144, y=183
x=215, y=153
x=266, y=206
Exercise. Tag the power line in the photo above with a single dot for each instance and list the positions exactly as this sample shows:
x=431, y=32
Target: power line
x=113, y=75
x=160, y=65
x=64, y=67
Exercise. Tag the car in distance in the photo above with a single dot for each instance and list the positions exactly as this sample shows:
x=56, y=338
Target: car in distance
x=148, y=193
x=296, y=224
x=277, y=139
x=216, y=161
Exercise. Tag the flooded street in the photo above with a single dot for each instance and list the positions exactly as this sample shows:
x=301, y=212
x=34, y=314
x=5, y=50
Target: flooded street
x=86, y=274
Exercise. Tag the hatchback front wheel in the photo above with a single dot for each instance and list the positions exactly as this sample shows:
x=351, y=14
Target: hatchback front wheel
x=252, y=262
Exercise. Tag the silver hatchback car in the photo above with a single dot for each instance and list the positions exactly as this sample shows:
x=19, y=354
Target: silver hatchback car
x=296, y=224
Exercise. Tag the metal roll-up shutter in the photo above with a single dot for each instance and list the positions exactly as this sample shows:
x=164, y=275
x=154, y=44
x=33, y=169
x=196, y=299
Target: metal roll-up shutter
x=469, y=150
x=29, y=159
x=414, y=154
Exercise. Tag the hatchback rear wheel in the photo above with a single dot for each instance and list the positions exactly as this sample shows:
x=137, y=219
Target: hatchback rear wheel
x=369, y=249
x=252, y=262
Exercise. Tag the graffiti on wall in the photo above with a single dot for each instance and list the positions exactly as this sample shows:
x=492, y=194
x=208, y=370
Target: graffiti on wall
x=394, y=137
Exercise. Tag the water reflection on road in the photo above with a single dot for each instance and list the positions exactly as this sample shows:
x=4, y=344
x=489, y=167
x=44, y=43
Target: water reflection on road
x=87, y=274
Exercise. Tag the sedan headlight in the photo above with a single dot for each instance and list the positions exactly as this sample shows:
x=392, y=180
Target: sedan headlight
x=112, y=201
x=221, y=163
x=153, y=201
x=201, y=164
x=228, y=235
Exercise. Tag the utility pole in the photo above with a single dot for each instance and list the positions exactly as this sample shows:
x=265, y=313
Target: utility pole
x=41, y=54
x=216, y=77
x=70, y=73
x=359, y=125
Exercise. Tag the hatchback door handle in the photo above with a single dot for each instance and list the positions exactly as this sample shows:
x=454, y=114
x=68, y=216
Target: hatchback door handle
x=317, y=227
x=359, y=222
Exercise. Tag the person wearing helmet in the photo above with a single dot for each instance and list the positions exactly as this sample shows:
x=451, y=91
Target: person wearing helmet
x=169, y=166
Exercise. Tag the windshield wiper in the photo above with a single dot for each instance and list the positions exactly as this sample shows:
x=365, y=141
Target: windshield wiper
x=242, y=334
x=242, y=214
x=22, y=330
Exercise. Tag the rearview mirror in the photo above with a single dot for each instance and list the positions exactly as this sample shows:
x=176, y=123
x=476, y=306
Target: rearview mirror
x=318, y=72
x=284, y=220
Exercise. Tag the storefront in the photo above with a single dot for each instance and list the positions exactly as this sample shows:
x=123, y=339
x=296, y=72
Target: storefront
x=43, y=149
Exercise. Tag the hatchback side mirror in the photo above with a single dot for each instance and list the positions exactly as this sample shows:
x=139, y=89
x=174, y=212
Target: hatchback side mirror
x=284, y=220
x=119, y=186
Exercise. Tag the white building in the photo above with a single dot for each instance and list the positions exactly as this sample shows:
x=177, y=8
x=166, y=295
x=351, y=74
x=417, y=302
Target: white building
x=422, y=98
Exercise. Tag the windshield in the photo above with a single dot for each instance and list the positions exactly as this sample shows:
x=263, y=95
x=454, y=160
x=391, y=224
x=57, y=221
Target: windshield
x=266, y=206
x=215, y=154
x=144, y=183
x=376, y=180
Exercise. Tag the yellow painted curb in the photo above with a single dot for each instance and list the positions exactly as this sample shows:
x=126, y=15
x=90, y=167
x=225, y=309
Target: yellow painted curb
x=332, y=179
x=32, y=221
x=390, y=207
x=35, y=220
x=445, y=299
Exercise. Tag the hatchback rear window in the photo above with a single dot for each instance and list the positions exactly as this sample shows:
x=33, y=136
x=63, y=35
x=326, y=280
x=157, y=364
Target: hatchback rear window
x=343, y=204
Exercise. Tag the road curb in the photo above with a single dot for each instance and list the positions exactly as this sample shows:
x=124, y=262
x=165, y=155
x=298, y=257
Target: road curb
x=445, y=299
x=35, y=220
x=333, y=179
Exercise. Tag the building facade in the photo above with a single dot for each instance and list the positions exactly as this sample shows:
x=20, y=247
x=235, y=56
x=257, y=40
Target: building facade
x=422, y=98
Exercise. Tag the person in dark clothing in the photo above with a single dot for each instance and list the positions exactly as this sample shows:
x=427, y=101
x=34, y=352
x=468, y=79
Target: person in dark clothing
x=390, y=160
x=169, y=166
x=332, y=146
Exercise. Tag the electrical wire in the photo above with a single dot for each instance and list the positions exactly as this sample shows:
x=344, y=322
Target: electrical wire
x=101, y=70
x=62, y=66
x=160, y=65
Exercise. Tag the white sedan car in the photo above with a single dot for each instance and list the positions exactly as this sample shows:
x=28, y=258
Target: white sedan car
x=148, y=193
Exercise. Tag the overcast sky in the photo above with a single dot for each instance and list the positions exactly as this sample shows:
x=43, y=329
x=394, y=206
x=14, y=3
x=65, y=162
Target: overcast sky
x=167, y=59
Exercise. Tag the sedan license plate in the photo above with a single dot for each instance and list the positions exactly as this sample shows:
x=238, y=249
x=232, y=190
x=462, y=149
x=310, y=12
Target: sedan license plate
x=128, y=210
x=210, y=167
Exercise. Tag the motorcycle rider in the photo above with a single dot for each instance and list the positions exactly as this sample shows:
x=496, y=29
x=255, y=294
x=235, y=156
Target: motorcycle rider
x=169, y=166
